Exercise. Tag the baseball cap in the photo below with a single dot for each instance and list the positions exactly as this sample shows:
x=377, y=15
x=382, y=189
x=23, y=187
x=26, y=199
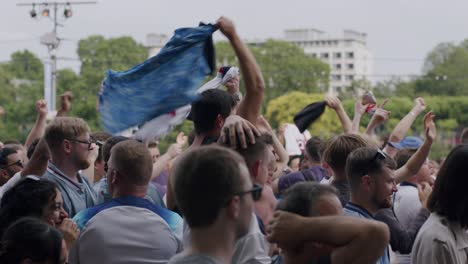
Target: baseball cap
x=407, y=143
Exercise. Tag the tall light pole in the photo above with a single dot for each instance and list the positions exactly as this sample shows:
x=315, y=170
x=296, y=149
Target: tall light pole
x=52, y=42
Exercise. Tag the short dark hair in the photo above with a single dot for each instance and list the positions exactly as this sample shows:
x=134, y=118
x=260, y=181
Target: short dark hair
x=205, y=110
x=402, y=157
x=301, y=198
x=449, y=196
x=364, y=161
x=255, y=151
x=314, y=148
x=339, y=148
x=109, y=144
x=33, y=239
x=4, y=153
x=100, y=136
x=27, y=198
x=205, y=179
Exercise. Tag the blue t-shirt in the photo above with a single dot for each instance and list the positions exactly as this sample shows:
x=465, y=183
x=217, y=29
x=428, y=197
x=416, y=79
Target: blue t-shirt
x=355, y=210
x=172, y=219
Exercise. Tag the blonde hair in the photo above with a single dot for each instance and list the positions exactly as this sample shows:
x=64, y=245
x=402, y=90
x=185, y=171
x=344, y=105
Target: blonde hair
x=64, y=128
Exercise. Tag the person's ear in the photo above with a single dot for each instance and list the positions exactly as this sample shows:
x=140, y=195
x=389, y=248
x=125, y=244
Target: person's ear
x=255, y=169
x=66, y=146
x=367, y=182
x=219, y=122
x=233, y=207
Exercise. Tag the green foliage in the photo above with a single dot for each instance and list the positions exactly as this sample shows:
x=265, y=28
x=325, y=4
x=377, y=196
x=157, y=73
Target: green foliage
x=26, y=65
x=282, y=110
x=285, y=67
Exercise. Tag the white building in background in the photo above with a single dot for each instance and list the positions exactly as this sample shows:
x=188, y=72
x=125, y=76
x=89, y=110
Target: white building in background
x=155, y=42
x=348, y=55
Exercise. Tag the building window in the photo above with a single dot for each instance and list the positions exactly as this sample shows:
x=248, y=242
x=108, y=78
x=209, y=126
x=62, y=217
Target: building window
x=337, y=55
x=337, y=66
x=350, y=66
x=324, y=55
x=349, y=77
x=350, y=55
x=337, y=88
x=336, y=77
x=313, y=55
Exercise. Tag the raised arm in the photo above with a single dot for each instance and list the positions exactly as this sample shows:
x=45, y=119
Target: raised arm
x=359, y=110
x=417, y=160
x=354, y=240
x=380, y=116
x=404, y=125
x=65, y=103
x=39, y=126
x=334, y=103
x=264, y=127
x=174, y=150
x=250, y=106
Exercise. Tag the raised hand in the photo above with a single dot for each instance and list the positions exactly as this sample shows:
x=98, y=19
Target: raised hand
x=430, y=127
x=419, y=105
x=41, y=107
x=236, y=125
x=226, y=26
x=70, y=231
x=182, y=139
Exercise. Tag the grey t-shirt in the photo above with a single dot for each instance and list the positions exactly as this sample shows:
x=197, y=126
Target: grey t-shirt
x=194, y=259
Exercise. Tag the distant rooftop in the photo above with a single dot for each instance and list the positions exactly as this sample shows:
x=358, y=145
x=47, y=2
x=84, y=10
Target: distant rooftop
x=312, y=34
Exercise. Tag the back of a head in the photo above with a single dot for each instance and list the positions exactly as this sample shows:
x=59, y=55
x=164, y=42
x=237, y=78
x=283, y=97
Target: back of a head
x=27, y=198
x=403, y=156
x=133, y=161
x=206, y=109
x=449, y=197
x=314, y=148
x=205, y=179
x=302, y=197
x=100, y=138
x=109, y=144
x=64, y=128
x=366, y=161
x=33, y=239
x=339, y=148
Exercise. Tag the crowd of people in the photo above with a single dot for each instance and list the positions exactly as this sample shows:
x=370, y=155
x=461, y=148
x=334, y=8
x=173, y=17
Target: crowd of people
x=230, y=192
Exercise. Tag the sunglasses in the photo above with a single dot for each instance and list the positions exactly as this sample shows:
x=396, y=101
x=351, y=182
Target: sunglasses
x=379, y=156
x=256, y=192
x=18, y=163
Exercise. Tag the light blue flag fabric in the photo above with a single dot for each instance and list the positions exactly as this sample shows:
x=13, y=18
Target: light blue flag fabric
x=161, y=84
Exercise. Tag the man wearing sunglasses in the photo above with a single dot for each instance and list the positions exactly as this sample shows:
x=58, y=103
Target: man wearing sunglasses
x=371, y=178
x=70, y=146
x=10, y=164
x=216, y=199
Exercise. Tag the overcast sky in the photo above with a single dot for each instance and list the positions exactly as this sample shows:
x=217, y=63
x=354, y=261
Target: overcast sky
x=400, y=32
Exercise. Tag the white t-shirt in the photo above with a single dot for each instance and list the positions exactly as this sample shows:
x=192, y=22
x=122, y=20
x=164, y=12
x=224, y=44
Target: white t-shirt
x=125, y=234
x=295, y=141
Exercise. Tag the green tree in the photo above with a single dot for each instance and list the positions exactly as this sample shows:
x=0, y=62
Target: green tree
x=285, y=67
x=283, y=109
x=25, y=65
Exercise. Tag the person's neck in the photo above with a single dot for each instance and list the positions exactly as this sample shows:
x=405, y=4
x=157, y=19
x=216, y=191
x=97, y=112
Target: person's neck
x=364, y=202
x=213, y=241
x=130, y=190
x=66, y=167
x=339, y=176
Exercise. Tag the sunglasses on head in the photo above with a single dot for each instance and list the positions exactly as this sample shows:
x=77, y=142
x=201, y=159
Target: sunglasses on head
x=379, y=155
